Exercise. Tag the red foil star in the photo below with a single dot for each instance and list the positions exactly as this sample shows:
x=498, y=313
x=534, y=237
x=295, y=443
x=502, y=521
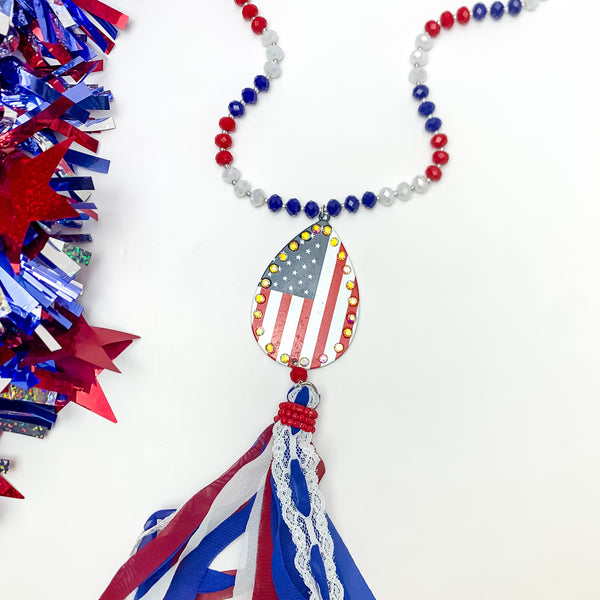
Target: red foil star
x=25, y=196
x=8, y=491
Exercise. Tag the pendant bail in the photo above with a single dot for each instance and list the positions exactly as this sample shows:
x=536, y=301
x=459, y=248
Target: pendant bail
x=324, y=213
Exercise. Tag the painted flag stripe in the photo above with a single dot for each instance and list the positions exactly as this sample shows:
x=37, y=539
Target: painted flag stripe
x=301, y=329
x=284, y=307
x=291, y=325
x=332, y=297
x=312, y=334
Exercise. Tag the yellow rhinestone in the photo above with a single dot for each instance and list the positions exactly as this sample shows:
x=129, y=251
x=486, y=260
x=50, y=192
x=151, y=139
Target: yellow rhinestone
x=282, y=256
x=260, y=298
x=327, y=229
x=284, y=358
x=293, y=245
x=270, y=348
x=334, y=241
x=259, y=331
x=316, y=228
x=265, y=282
x=341, y=255
x=338, y=347
x=258, y=314
x=350, y=285
x=352, y=301
x=347, y=270
x=347, y=332
x=305, y=235
x=273, y=268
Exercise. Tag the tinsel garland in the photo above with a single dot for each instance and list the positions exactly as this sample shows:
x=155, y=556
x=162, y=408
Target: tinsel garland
x=49, y=113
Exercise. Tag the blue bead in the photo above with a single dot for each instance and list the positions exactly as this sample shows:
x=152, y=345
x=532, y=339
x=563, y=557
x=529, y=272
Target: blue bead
x=236, y=109
x=369, y=199
x=261, y=83
x=352, y=204
x=432, y=125
x=479, y=11
x=426, y=109
x=497, y=10
x=334, y=208
x=312, y=209
x=421, y=91
x=293, y=206
x=275, y=203
x=514, y=7
x=249, y=95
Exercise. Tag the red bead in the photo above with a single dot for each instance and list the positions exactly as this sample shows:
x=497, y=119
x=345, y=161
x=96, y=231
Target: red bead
x=434, y=173
x=259, y=25
x=439, y=140
x=249, y=11
x=227, y=124
x=463, y=15
x=432, y=28
x=447, y=20
x=223, y=140
x=298, y=374
x=440, y=157
x=224, y=158
x=240, y=2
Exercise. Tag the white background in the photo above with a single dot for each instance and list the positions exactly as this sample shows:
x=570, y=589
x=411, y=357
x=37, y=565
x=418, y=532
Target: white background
x=460, y=433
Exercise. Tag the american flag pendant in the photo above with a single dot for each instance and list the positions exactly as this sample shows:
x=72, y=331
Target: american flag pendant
x=305, y=309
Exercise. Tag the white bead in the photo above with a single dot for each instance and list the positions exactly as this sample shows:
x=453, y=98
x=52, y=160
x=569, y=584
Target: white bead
x=257, y=197
x=231, y=174
x=242, y=187
x=530, y=4
x=269, y=37
x=386, y=196
x=274, y=53
x=272, y=69
x=417, y=75
x=424, y=41
x=420, y=184
x=419, y=58
x=403, y=191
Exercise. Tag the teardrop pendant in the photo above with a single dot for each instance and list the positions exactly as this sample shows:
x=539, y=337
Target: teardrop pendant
x=305, y=310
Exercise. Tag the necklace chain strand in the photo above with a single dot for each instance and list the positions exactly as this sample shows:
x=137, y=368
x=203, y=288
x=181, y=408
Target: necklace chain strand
x=426, y=109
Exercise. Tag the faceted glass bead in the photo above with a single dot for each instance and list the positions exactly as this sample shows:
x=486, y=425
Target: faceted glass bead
x=420, y=92
x=432, y=28
x=418, y=75
x=223, y=140
x=432, y=125
x=258, y=25
x=249, y=95
x=479, y=11
x=420, y=184
x=293, y=206
x=272, y=69
x=311, y=209
x=275, y=203
x=249, y=11
x=352, y=204
x=261, y=83
x=269, y=37
x=236, y=108
x=440, y=157
x=514, y=7
x=447, y=20
x=439, y=140
x=433, y=172
x=404, y=192
x=242, y=188
x=274, y=53
x=334, y=208
x=224, y=158
x=419, y=58
x=497, y=10
x=386, y=196
x=531, y=4
x=463, y=16
x=426, y=109
x=369, y=199
x=231, y=174
x=424, y=41
x=227, y=124
x=257, y=197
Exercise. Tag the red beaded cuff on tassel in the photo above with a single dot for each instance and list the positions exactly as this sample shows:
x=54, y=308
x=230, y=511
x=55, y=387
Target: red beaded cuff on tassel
x=297, y=415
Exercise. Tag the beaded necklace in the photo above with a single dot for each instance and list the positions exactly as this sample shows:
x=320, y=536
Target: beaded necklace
x=304, y=316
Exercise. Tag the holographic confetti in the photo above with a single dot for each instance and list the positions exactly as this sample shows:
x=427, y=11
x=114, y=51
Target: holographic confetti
x=4, y=466
x=49, y=355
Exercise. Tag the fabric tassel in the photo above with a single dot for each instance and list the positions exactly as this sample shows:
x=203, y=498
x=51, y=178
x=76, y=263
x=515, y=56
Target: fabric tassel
x=272, y=495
